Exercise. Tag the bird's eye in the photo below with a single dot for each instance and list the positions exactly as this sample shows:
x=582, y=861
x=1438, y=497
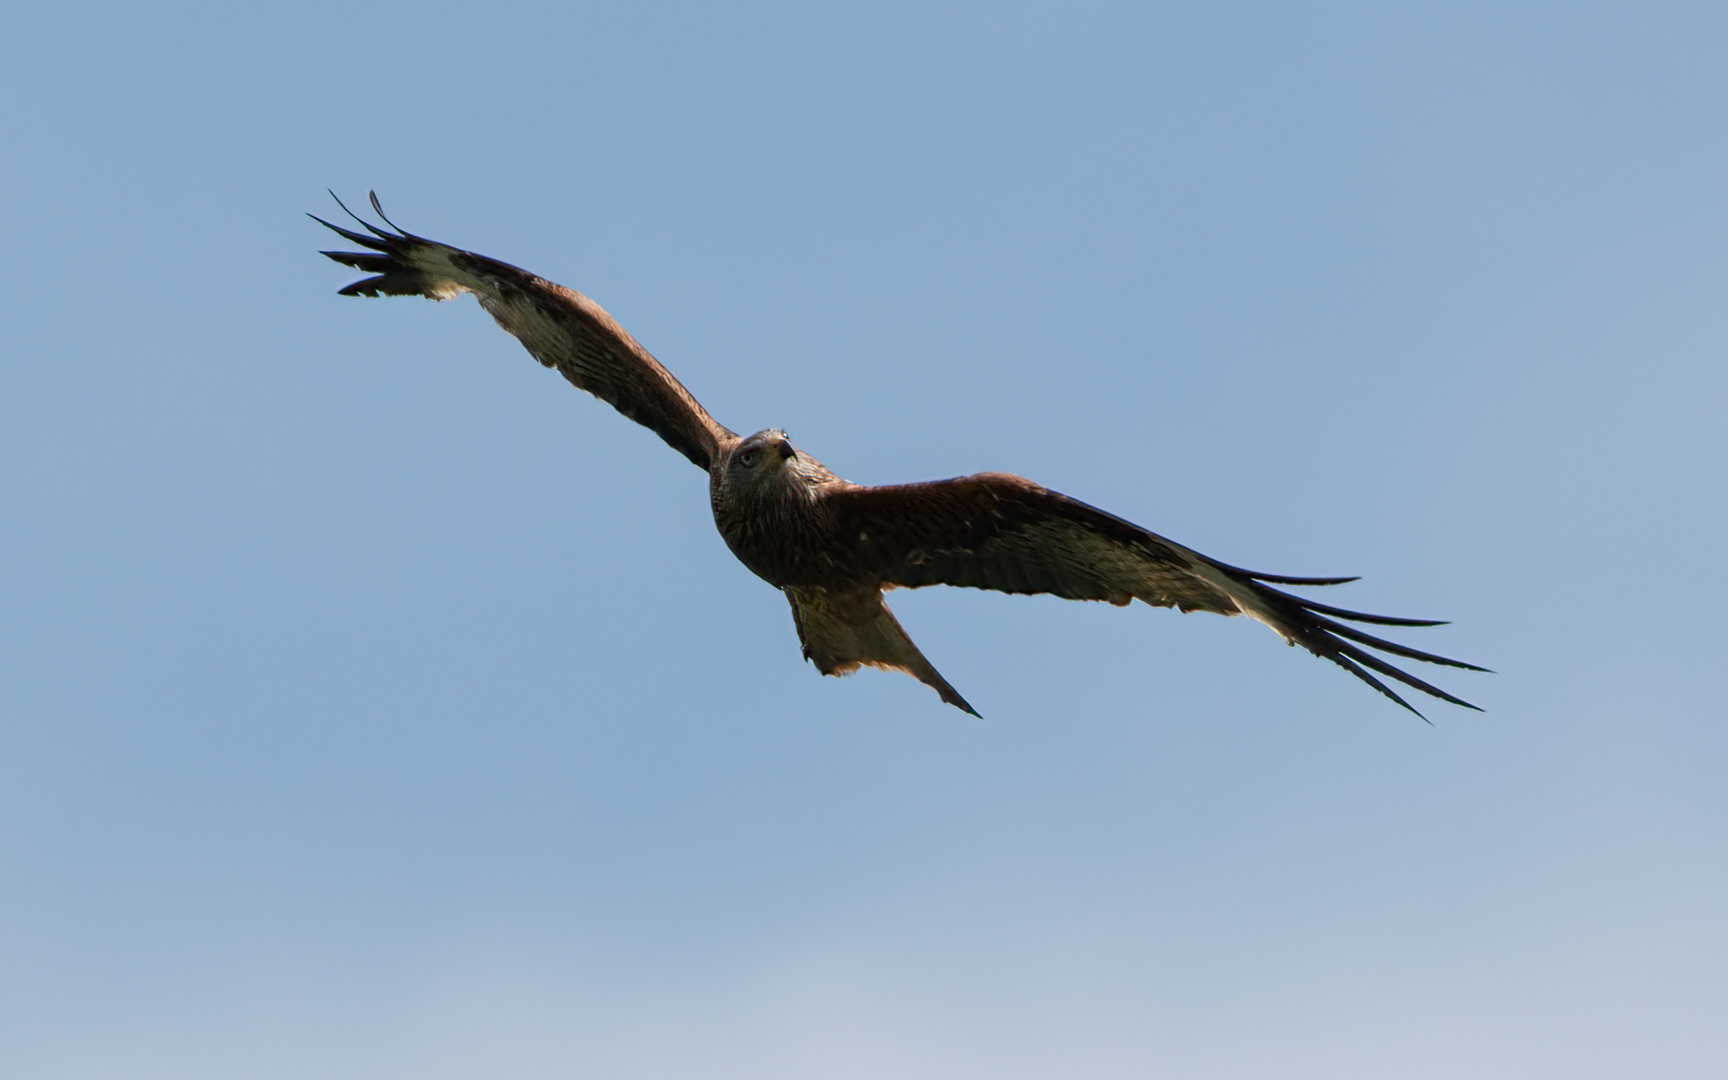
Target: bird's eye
x=748, y=458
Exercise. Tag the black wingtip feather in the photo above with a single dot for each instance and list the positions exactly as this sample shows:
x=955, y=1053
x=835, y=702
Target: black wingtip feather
x=364, y=224
x=1404, y=677
x=379, y=208
x=393, y=276
x=404, y=282
x=387, y=242
x=363, y=287
x=374, y=264
x=1393, y=647
x=1304, y=622
x=1280, y=579
x=1364, y=617
x=1345, y=663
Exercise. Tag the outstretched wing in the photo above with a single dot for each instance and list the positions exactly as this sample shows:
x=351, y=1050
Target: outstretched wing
x=561, y=328
x=1002, y=532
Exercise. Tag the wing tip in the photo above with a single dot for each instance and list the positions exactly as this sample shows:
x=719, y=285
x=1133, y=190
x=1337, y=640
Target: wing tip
x=1304, y=622
x=387, y=258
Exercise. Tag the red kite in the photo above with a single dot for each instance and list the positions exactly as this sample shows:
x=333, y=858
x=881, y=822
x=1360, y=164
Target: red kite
x=833, y=547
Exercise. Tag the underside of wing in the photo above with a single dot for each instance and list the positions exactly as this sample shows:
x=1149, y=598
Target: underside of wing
x=1005, y=533
x=1002, y=532
x=560, y=327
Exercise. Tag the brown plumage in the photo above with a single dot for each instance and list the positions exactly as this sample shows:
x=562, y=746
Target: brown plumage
x=832, y=546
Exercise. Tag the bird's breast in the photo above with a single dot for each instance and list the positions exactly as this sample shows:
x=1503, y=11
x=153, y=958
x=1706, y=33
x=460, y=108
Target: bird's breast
x=782, y=542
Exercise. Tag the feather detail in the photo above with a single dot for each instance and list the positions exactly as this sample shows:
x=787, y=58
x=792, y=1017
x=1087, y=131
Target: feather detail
x=559, y=327
x=1005, y=533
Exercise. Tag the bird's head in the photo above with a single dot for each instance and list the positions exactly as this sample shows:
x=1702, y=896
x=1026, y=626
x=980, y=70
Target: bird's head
x=767, y=462
x=763, y=453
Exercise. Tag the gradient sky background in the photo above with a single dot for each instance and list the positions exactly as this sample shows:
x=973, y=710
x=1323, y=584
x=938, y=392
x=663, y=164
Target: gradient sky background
x=374, y=704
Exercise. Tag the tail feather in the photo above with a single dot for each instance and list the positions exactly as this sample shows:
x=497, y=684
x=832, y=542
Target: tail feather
x=842, y=630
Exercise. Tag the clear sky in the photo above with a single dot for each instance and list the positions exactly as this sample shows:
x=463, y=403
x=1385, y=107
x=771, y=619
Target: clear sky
x=374, y=704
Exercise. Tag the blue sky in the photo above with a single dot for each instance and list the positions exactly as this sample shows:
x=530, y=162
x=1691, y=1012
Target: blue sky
x=372, y=703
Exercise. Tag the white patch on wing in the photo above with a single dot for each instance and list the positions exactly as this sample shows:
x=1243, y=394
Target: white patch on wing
x=1247, y=600
x=448, y=280
x=545, y=338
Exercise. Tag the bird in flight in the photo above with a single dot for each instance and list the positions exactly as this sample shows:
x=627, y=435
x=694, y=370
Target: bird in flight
x=834, y=547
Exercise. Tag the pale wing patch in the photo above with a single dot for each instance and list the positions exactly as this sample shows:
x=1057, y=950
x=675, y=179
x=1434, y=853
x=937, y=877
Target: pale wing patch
x=447, y=280
x=1089, y=564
